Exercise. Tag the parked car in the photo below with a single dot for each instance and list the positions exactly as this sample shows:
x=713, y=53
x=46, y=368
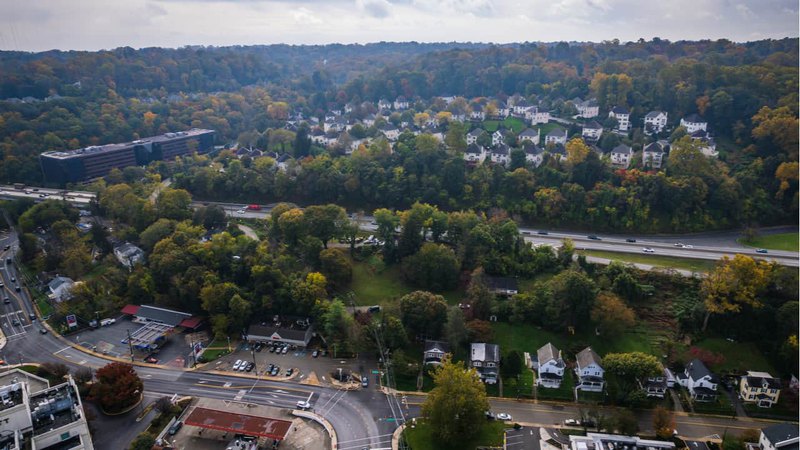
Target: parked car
x=374, y=308
x=16, y=323
x=237, y=364
x=43, y=330
x=302, y=404
x=761, y=250
x=6, y=247
x=151, y=359
x=272, y=348
x=572, y=422
x=2, y=285
x=250, y=367
x=285, y=350
x=490, y=415
x=648, y=250
x=173, y=430
x=275, y=371
x=257, y=348
x=32, y=317
x=289, y=372
x=315, y=353
x=504, y=416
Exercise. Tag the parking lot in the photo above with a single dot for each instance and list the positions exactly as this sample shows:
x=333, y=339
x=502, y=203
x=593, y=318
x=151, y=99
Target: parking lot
x=301, y=361
x=108, y=340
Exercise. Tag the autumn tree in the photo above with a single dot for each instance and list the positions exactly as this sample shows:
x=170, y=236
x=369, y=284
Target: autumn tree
x=663, y=423
x=325, y=222
x=577, y=151
x=116, y=387
x=456, y=406
x=336, y=267
x=423, y=313
x=612, y=315
x=734, y=284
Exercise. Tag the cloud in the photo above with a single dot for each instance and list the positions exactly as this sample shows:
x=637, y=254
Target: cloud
x=304, y=16
x=745, y=11
x=375, y=8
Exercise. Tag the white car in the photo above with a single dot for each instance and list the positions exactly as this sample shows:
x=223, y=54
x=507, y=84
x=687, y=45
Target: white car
x=237, y=364
x=503, y=416
x=688, y=246
x=302, y=404
x=241, y=211
x=648, y=250
x=573, y=422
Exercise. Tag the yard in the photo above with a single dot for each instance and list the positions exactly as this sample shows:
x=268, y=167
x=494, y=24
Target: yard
x=780, y=241
x=420, y=437
x=564, y=392
x=737, y=357
x=695, y=265
x=385, y=287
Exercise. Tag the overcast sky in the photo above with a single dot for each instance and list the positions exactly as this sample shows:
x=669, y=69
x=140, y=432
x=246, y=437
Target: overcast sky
x=102, y=24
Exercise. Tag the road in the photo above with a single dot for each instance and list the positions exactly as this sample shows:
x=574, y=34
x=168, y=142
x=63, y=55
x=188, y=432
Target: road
x=709, y=246
x=77, y=198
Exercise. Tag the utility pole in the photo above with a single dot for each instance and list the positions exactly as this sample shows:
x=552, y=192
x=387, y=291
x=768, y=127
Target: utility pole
x=130, y=344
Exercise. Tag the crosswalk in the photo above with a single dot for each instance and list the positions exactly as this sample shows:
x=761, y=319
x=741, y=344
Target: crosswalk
x=10, y=329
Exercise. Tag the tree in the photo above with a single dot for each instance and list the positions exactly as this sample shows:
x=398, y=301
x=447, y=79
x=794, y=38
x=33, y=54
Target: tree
x=144, y=441
x=56, y=370
x=733, y=284
x=174, y=204
x=434, y=267
x=455, y=329
x=423, y=313
x=663, y=423
x=325, y=221
x=625, y=422
x=612, y=315
x=338, y=325
x=394, y=334
x=632, y=366
x=336, y=267
x=577, y=151
x=511, y=364
x=573, y=296
x=164, y=405
x=117, y=387
x=456, y=406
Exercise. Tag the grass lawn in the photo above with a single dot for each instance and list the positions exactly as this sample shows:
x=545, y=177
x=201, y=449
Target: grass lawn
x=564, y=392
x=490, y=125
x=44, y=306
x=548, y=127
x=780, y=241
x=695, y=265
x=421, y=437
x=739, y=356
x=722, y=406
x=783, y=410
x=592, y=397
x=522, y=387
x=514, y=123
x=386, y=287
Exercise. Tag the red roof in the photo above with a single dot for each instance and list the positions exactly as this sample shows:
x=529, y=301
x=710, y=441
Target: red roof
x=130, y=309
x=238, y=423
x=191, y=322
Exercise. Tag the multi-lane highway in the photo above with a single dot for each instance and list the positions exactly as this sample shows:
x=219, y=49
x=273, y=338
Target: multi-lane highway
x=708, y=246
x=77, y=198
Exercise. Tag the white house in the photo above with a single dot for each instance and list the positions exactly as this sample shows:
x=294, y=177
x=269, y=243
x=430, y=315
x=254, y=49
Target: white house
x=129, y=255
x=369, y=120
x=655, y=122
x=706, y=143
x=653, y=155
x=498, y=138
x=529, y=134
x=500, y=154
x=434, y=352
x=655, y=386
x=477, y=113
x=59, y=288
x=699, y=381
x=693, y=123
x=623, y=117
x=283, y=162
x=549, y=366
x=472, y=136
x=783, y=436
x=533, y=153
x=557, y=136
x=384, y=104
x=588, y=109
x=557, y=151
x=592, y=131
x=589, y=370
x=621, y=155
x=475, y=153
x=503, y=110
x=535, y=116
x=400, y=103
x=521, y=107
x=485, y=358
x=390, y=131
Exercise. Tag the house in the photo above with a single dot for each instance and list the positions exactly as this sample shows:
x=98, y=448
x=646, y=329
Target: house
x=475, y=153
x=472, y=136
x=390, y=131
x=129, y=255
x=296, y=332
x=655, y=386
x=503, y=110
x=59, y=288
x=500, y=154
x=782, y=436
x=434, y=352
x=557, y=151
x=283, y=161
x=549, y=366
x=384, y=104
x=529, y=134
x=400, y=103
x=588, y=109
x=369, y=120
x=521, y=106
x=503, y=286
x=699, y=381
x=589, y=370
x=498, y=137
x=536, y=116
x=601, y=441
x=623, y=117
x=759, y=388
x=592, y=131
x=706, y=143
x=653, y=155
x=533, y=153
x=621, y=155
x=485, y=358
x=477, y=113
x=694, y=123
x=655, y=122
x=557, y=136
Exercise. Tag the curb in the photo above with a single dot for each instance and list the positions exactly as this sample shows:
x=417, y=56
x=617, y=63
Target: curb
x=320, y=420
x=396, y=436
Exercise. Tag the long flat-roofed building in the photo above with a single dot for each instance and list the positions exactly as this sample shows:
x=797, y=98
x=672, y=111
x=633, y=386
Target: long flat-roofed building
x=97, y=161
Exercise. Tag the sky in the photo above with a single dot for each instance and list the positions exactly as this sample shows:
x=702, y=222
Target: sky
x=38, y=25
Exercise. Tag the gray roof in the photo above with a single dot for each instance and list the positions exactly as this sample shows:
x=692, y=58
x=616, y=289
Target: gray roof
x=694, y=118
x=162, y=315
x=622, y=149
x=437, y=345
x=760, y=379
x=476, y=132
x=485, y=352
x=697, y=370
x=653, y=114
x=128, y=250
x=474, y=149
x=558, y=132
x=587, y=357
x=620, y=110
x=532, y=149
x=528, y=132
x=780, y=432
x=593, y=125
x=548, y=352
x=284, y=157
x=296, y=334
x=56, y=282
x=654, y=147
x=501, y=149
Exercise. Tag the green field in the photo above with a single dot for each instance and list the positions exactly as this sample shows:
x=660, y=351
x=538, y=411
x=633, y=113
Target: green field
x=780, y=241
x=695, y=265
x=564, y=392
x=739, y=356
x=386, y=287
x=421, y=437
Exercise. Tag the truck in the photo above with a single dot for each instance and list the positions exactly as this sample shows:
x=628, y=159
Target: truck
x=19, y=186
x=253, y=207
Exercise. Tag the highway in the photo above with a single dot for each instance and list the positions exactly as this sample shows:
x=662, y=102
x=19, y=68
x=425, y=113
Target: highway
x=38, y=194
x=708, y=246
